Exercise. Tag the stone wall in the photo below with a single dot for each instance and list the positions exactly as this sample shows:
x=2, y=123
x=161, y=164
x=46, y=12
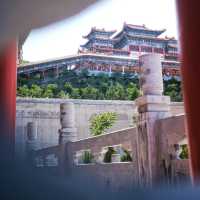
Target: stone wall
x=177, y=108
x=45, y=114
x=180, y=172
x=116, y=175
x=120, y=175
x=170, y=131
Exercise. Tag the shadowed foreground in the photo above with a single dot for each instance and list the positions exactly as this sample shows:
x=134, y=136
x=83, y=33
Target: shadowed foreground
x=23, y=182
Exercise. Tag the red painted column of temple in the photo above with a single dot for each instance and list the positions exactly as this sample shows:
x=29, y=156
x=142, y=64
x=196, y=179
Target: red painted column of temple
x=7, y=101
x=189, y=31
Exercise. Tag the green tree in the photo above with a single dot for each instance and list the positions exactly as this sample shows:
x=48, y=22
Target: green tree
x=53, y=88
x=103, y=87
x=23, y=91
x=116, y=92
x=132, y=91
x=48, y=93
x=36, y=91
x=83, y=85
x=101, y=122
x=89, y=93
x=68, y=88
x=173, y=90
x=51, y=91
x=63, y=95
x=75, y=93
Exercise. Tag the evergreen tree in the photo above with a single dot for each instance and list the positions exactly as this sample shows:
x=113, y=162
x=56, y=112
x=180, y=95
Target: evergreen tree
x=23, y=91
x=82, y=85
x=132, y=91
x=35, y=91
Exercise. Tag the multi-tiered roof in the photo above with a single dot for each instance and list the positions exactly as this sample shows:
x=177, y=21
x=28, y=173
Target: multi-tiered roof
x=132, y=38
x=109, y=51
x=137, y=30
x=99, y=38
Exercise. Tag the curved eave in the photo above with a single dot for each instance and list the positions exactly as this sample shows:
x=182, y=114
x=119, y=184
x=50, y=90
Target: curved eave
x=143, y=28
x=145, y=37
x=110, y=33
x=160, y=32
x=77, y=56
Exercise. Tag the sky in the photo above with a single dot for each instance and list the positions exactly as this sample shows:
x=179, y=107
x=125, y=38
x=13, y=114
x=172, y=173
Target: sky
x=64, y=38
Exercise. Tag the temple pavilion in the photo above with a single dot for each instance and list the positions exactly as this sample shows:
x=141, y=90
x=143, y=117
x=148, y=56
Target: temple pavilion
x=115, y=51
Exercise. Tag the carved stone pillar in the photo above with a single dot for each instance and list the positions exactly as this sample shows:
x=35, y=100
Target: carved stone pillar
x=67, y=133
x=31, y=142
x=151, y=107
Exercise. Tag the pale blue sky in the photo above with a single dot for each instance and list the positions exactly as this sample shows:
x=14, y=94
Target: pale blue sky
x=64, y=38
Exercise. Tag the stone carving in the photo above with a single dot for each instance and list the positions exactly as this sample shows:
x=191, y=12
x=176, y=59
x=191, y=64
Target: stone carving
x=67, y=119
x=31, y=142
x=31, y=131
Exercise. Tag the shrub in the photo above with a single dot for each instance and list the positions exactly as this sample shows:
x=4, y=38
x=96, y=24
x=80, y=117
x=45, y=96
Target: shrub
x=87, y=157
x=126, y=157
x=63, y=95
x=101, y=122
x=108, y=155
x=184, y=153
x=132, y=91
x=23, y=91
x=35, y=91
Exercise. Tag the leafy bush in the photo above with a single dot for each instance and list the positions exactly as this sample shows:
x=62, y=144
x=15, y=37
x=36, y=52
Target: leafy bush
x=101, y=122
x=23, y=91
x=172, y=88
x=87, y=157
x=35, y=91
x=132, y=91
x=116, y=92
x=126, y=157
x=108, y=155
x=63, y=95
x=184, y=153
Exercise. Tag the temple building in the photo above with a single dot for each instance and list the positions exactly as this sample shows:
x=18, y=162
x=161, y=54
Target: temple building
x=112, y=51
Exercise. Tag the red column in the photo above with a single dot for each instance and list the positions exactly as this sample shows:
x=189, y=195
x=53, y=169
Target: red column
x=7, y=101
x=189, y=30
